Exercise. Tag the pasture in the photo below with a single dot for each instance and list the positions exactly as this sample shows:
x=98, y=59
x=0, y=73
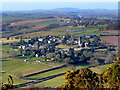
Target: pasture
x=18, y=68
x=100, y=69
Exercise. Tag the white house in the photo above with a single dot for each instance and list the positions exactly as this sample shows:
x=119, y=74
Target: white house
x=40, y=39
x=36, y=55
x=38, y=61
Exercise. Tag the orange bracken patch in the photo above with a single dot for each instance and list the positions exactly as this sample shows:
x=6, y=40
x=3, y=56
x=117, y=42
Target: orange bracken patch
x=111, y=31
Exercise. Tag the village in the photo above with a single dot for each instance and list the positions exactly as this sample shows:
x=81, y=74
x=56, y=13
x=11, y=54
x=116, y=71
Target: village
x=66, y=49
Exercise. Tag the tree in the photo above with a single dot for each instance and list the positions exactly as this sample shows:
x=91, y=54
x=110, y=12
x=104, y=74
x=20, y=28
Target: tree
x=111, y=76
x=58, y=57
x=82, y=57
x=110, y=58
x=94, y=61
x=43, y=51
x=81, y=79
x=67, y=60
x=96, y=41
x=71, y=53
x=9, y=85
x=63, y=55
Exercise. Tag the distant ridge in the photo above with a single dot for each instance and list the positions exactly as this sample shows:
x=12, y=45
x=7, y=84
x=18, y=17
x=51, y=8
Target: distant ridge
x=63, y=10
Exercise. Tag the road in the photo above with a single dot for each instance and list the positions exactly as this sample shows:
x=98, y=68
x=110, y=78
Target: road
x=38, y=81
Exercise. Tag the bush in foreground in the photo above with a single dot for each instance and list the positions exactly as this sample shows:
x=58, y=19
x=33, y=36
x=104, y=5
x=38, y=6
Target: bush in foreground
x=88, y=79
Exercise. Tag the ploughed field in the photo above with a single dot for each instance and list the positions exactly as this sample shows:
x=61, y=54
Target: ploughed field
x=111, y=40
x=30, y=21
x=111, y=31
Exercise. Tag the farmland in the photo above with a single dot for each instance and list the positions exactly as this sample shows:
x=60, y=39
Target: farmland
x=8, y=67
x=30, y=21
x=36, y=42
x=111, y=40
x=111, y=31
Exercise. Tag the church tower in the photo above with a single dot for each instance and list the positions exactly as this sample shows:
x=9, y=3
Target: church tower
x=80, y=41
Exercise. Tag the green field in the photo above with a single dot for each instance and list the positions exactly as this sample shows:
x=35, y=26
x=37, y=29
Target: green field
x=58, y=81
x=6, y=51
x=100, y=69
x=18, y=68
x=50, y=73
x=42, y=23
x=28, y=58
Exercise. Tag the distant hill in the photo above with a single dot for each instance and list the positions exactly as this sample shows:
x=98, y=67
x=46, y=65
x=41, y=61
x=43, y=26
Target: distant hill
x=71, y=11
x=81, y=10
x=66, y=9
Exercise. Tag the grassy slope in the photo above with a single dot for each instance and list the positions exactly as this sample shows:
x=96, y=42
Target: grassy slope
x=58, y=81
x=6, y=51
x=100, y=69
x=16, y=67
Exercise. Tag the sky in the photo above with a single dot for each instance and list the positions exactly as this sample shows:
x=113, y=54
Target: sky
x=21, y=5
x=59, y=0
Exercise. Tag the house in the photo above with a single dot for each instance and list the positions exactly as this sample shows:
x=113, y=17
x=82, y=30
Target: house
x=78, y=48
x=29, y=45
x=38, y=61
x=40, y=39
x=22, y=47
x=86, y=44
x=49, y=42
x=36, y=55
x=47, y=60
x=25, y=60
